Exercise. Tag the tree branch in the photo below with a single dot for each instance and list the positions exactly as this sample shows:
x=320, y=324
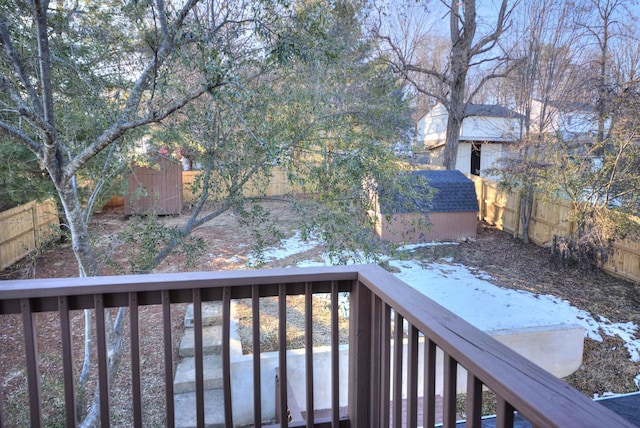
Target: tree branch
x=119, y=128
x=18, y=65
x=19, y=136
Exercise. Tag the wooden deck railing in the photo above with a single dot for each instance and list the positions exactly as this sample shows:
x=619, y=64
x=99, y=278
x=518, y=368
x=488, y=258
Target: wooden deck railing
x=376, y=393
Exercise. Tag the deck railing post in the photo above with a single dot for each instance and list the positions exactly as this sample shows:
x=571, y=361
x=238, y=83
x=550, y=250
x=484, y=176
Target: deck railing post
x=33, y=372
x=360, y=355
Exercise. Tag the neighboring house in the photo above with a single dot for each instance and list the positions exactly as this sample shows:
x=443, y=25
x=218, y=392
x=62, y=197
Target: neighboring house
x=486, y=133
x=575, y=123
x=444, y=208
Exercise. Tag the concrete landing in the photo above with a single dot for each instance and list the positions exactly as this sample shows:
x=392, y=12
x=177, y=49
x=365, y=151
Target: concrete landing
x=213, y=409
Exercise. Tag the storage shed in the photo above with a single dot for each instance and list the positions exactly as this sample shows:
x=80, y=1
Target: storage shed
x=451, y=215
x=155, y=188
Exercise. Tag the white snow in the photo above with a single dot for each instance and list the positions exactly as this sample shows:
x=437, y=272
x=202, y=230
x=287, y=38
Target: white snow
x=472, y=296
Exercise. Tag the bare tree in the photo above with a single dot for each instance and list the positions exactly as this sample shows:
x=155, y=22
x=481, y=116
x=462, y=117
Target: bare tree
x=541, y=43
x=609, y=26
x=469, y=52
x=76, y=82
x=55, y=60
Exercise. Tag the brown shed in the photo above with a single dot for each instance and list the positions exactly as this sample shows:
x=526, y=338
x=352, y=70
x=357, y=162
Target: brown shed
x=452, y=213
x=156, y=188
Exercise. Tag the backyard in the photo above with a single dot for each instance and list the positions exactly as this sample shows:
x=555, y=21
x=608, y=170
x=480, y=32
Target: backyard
x=607, y=366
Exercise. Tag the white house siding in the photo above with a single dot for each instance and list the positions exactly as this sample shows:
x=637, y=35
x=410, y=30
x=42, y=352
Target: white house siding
x=432, y=127
x=482, y=128
x=489, y=154
x=463, y=161
x=578, y=124
x=494, y=132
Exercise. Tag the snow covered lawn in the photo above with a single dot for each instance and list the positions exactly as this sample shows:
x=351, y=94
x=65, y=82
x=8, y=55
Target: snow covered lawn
x=472, y=296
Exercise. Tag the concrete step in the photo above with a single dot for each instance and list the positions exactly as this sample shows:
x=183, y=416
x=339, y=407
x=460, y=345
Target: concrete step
x=211, y=314
x=185, y=405
x=211, y=341
x=185, y=377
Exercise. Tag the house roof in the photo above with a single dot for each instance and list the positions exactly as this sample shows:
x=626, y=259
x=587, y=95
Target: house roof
x=486, y=110
x=490, y=110
x=453, y=192
x=569, y=106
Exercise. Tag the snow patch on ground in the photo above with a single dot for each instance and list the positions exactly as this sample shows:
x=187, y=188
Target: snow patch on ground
x=472, y=296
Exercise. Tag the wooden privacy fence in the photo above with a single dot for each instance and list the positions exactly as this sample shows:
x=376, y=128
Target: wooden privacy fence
x=278, y=185
x=24, y=228
x=548, y=218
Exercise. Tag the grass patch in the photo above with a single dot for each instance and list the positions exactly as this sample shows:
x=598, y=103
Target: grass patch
x=269, y=323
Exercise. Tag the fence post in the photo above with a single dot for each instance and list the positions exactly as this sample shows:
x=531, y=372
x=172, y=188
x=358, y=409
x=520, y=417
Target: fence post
x=36, y=227
x=482, y=206
x=360, y=355
x=516, y=227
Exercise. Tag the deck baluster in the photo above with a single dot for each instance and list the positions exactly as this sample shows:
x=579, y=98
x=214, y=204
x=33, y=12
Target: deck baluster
x=398, y=334
x=33, y=372
x=429, y=384
x=474, y=402
x=134, y=336
x=168, y=358
x=255, y=328
x=308, y=352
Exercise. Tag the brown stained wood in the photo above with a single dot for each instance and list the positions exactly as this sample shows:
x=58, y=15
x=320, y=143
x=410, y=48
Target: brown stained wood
x=474, y=402
x=360, y=356
x=539, y=397
x=385, y=381
x=149, y=287
x=429, y=384
x=198, y=355
x=376, y=360
x=412, y=378
x=257, y=384
x=168, y=358
x=397, y=369
x=335, y=358
x=103, y=362
x=134, y=333
x=33, y=372
x=67, y=362
x=155, y=189
x=226, y=356
x=504, y=414
x=282, y=354
x=308, y=352
x=449, y=391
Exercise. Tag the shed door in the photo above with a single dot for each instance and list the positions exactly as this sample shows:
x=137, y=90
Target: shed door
x=475, y=158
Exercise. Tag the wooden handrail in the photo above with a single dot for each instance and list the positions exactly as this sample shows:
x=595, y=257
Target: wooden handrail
x=378, y=300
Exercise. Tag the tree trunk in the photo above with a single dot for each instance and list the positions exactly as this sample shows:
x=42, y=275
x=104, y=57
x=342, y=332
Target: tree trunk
x=457, y=107
x=526, y=209
x=461, y=40
x=77, y=222
x=454, y=125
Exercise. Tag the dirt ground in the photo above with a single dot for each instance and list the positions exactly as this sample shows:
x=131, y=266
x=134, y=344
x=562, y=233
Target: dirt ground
x=511, y=263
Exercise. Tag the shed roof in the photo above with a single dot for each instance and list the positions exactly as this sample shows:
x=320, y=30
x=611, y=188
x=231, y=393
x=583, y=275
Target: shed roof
x=453, y=192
